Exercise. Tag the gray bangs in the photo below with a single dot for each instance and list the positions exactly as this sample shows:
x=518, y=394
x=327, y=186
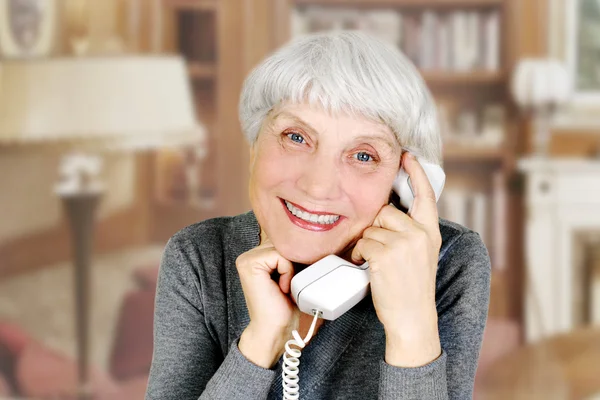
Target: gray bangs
x=345, y=72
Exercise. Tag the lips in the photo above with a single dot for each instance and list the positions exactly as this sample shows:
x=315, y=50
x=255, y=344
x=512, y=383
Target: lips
x=315, y=221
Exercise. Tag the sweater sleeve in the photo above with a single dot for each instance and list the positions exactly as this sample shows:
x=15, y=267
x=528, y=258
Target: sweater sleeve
x=187, y=362
x=462, y=291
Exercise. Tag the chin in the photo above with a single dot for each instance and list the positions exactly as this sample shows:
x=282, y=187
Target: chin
x=300, y=254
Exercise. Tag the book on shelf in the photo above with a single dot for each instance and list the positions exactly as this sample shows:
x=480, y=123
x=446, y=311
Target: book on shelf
x=443, y=52
x=491, y=47
x=499, y=221
x=478, y=216
x=458, y=40
x=477, y=210
x=473, y=128
x=385, y=24
x=453, y=205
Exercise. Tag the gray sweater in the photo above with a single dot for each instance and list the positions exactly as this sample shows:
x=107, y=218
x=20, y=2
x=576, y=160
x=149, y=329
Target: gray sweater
x=201, y=313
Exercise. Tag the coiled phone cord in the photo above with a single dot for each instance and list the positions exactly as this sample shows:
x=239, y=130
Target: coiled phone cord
x=291, y=361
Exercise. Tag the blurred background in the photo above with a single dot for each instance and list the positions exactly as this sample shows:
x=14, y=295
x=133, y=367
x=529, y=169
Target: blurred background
x=118, y=127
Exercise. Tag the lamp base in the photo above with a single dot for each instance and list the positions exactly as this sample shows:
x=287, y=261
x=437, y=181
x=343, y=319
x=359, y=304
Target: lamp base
x=81, y=209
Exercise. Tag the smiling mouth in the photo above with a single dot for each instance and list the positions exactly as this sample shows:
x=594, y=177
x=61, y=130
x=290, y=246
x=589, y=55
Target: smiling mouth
x=320, y=219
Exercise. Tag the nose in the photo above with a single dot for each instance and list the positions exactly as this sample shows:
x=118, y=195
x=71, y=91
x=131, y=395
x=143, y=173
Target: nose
x=320, y=179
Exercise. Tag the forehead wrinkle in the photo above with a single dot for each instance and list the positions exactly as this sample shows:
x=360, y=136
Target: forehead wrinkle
x=296, y=119
x=391, y=145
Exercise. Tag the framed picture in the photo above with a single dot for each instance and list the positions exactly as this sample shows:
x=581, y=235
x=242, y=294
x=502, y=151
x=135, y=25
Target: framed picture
x=583, y=48
x=574, y=38
x=28, y=28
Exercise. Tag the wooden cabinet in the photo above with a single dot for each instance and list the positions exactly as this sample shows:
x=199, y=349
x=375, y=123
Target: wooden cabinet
x=220, y=45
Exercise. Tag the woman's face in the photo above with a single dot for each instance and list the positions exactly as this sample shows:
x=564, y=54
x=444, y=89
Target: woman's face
x=317, y=181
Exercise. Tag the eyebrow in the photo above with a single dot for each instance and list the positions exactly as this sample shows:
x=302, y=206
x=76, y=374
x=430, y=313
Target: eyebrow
x=305, y=125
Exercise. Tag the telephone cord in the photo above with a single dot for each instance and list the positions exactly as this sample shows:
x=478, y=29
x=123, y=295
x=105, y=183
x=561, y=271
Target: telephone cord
x=291, y=361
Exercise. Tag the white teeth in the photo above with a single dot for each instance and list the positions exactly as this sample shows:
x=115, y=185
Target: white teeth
x=314, y=218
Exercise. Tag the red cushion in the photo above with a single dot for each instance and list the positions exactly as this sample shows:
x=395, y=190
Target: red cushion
x=4, y=387
x=499, y=338
x=133, y=389
x=132, y=350
x=147, y=276
x=7, y=370
x=14, y=338
x=44, y=373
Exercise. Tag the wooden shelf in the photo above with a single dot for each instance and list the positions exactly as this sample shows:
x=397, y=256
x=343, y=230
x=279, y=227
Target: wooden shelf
x=208, y=5
x=404, y=3
x=202, y=70
x=455, y=153
x=464, y=78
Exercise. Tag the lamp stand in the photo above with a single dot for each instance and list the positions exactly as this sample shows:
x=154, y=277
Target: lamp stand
x=80, y=209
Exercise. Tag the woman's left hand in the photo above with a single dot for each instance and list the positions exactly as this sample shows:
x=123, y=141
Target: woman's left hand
x=402, y=251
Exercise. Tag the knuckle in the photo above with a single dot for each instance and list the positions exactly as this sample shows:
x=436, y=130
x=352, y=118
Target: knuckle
x=360, y=243
x=437, y=241
x=240, y=261
x=399, y=241
x=369, y=231
x=419, y=238
x=422, y=235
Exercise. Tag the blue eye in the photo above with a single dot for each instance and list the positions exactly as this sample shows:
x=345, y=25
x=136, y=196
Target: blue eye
x=364, y=157
x=296, y=137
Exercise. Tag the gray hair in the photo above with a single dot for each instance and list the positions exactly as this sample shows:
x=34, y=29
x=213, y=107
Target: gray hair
x=350, y=72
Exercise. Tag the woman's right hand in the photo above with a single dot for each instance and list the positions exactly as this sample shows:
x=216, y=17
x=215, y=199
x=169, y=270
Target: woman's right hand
x=273, y=315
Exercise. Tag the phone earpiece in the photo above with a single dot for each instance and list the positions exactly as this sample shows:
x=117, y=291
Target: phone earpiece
x=402, y=185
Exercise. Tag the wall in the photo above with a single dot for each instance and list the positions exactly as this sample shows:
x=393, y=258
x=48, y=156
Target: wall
x=28, y=204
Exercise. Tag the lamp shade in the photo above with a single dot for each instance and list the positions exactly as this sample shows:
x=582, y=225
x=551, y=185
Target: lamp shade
x=538, y=83
x=99, y=102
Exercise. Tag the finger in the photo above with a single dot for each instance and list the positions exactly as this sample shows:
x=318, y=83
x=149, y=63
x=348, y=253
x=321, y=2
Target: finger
x=389, y=217
x=424, y=208
x=286, y=271
x=365, y=249
x=382, y=235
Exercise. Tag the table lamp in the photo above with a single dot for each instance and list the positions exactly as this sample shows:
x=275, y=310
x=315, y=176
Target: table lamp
x=540, y=86
x=89, y=105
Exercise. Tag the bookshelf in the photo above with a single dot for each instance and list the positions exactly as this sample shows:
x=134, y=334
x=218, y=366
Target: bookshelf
x=186, y=5
x=447, y=78
x=404, y=3
x=470, y=155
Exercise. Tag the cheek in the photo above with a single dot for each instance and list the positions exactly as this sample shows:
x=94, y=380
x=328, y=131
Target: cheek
x=369, y=194
x=272, y=168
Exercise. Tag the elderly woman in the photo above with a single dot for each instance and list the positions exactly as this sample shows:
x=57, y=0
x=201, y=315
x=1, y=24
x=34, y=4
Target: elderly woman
x=330, y=119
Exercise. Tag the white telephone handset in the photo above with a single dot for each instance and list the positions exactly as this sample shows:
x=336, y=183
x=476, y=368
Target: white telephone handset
x=332, y=285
